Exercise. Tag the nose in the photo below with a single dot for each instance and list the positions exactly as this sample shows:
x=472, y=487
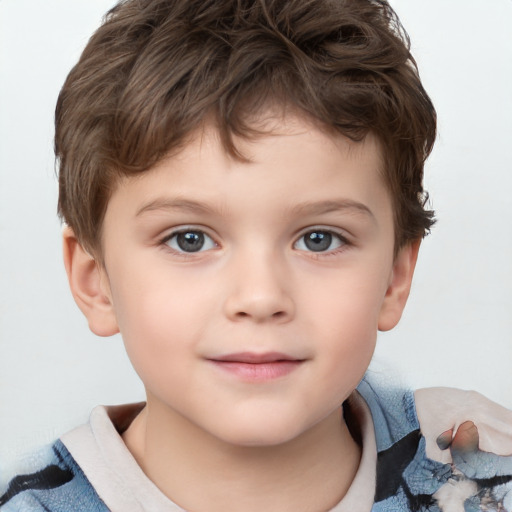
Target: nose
x=259, y=290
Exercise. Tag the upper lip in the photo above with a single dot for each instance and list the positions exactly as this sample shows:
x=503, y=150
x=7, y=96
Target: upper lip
x=255, y=358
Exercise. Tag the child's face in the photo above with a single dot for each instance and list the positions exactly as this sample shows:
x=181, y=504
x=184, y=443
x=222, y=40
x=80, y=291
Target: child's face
x=249, y=294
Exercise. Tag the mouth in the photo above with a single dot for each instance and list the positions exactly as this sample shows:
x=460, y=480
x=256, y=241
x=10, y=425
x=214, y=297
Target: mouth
x=250, y=366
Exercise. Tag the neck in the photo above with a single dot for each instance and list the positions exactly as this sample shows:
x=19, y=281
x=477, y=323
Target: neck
x=198, y=471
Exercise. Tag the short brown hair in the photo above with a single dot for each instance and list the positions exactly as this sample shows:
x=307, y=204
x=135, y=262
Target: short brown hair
x=156, y=69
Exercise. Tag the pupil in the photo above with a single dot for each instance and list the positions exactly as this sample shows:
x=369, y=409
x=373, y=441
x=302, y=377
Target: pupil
x=190, y=241
x=318, y=241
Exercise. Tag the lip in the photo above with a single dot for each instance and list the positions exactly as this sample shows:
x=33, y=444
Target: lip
x=255, y=358
x=250, y=366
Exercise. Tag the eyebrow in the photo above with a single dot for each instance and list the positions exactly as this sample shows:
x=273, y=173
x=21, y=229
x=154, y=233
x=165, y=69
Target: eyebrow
x=174, y=204
x=306, y=208
x=329, y=206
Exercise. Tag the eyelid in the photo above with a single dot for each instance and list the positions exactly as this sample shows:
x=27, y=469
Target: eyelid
x=163, y=240
x=183, y=228
x=342, y=233
x=336, y=232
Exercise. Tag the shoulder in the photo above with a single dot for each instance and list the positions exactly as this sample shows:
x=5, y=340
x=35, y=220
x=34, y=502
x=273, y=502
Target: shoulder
x=440, y=449
x=442, y=411
x=51, y=481
x=473, y=435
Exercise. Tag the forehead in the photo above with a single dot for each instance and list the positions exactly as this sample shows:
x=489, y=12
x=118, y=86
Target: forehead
x=295, y=136
x=291, y=161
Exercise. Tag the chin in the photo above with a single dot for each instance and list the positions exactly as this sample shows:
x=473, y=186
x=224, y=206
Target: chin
x=260, y=433
x=257, y=439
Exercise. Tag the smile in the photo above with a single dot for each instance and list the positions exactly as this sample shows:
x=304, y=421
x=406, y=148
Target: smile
x=250, y=366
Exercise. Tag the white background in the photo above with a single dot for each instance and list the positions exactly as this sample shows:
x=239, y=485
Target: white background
x=457, y=327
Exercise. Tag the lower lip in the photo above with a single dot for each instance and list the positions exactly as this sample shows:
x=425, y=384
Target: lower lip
x=259, y=372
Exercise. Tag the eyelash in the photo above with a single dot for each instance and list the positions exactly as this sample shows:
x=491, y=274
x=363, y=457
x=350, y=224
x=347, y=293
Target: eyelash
x=181, y=231
x=342, y=241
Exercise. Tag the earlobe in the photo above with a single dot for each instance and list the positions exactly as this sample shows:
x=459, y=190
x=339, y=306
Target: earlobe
x=89, y=285
x=399, y=286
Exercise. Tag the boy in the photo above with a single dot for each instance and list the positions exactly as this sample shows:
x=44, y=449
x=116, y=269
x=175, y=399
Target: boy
x=241, y=183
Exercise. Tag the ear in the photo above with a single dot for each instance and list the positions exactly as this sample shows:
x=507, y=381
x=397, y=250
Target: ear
x=89, y=285
x=399, y=286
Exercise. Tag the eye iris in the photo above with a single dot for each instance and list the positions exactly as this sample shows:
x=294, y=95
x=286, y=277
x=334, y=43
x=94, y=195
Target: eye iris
x=318, y=241
x=190, y=241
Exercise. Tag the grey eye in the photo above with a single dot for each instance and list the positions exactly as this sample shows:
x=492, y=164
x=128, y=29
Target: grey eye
x=319, y=241
x=190, y=241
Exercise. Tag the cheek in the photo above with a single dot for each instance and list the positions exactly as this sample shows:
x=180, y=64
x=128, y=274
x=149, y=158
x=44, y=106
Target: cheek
x=350, y=333
x=159, y=319
x=151, y=299
x=349, y=302
x=345, y=319
x=159, y=342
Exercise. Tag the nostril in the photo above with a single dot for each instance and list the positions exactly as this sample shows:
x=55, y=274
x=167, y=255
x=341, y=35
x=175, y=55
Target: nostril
x=259, y=307
x=277, y=315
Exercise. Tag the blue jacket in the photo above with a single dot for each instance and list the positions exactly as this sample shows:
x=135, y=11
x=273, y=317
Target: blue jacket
x=406, y=478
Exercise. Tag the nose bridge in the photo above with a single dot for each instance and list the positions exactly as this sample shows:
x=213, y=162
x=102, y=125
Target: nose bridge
x=259, y=289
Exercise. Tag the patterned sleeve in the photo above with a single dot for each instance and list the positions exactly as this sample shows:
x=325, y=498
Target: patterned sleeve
x=56, y=484
x=473, y=435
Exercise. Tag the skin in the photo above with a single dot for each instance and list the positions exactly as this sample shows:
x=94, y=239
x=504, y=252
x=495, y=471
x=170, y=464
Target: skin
x=216, y=439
